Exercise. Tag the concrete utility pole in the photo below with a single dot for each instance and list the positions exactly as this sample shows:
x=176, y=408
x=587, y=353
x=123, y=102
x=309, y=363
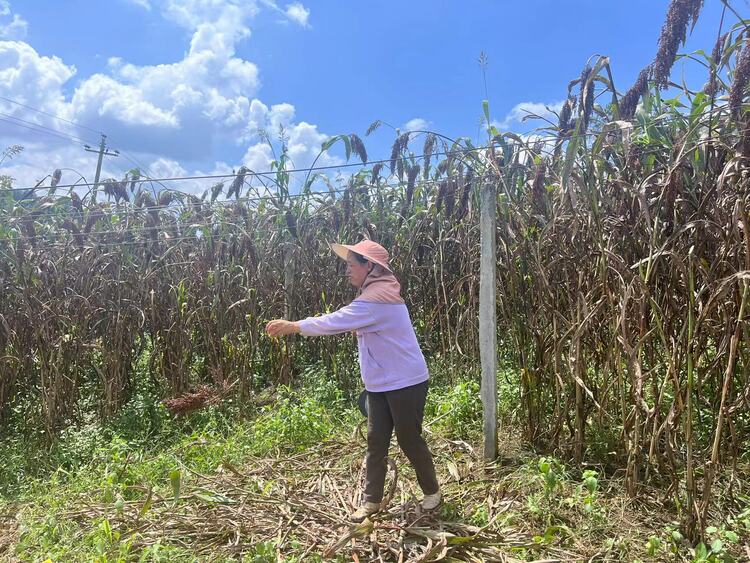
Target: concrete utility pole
x=102, y=151
x=487, y=316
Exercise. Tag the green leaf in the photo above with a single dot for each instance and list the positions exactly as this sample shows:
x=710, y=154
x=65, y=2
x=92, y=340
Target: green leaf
x=215, y=498
x=717, y=545
x=699, y=105
x=730, y=536
x=591, y=484
x=700, y=551
x=550, y=479
x=106, y=529
x=458, y=540
x=486, y=110
x=328, y=143
x=570, y=155
x=147, y=505
x=175, y=479
x=347, y=145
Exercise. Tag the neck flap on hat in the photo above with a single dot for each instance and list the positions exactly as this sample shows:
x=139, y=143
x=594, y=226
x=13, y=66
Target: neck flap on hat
x=380, y=286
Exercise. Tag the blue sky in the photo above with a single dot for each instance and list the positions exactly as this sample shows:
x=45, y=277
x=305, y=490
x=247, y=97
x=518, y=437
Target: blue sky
x=182, y=86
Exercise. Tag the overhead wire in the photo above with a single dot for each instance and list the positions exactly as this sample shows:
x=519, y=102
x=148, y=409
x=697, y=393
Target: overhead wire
x=16, y=102
x=321, y=168
x=44, y=127
x=209, y=207
x=38, y=129
x=268, y=173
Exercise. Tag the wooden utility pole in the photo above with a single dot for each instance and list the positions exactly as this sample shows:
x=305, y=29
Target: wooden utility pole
x=102, y=151
x=487, y=316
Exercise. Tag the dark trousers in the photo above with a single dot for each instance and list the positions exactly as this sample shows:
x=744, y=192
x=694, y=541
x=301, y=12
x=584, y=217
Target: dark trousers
x=402, y=409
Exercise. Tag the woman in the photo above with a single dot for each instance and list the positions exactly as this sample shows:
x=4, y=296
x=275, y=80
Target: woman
x=392, y=365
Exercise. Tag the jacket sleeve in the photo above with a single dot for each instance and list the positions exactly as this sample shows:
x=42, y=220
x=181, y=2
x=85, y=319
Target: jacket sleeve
x=355, y=316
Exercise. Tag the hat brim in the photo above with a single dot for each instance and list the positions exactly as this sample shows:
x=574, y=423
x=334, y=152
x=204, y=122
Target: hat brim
x=342, y=251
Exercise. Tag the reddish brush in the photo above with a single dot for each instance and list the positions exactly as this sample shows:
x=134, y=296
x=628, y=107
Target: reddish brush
x=186, y=403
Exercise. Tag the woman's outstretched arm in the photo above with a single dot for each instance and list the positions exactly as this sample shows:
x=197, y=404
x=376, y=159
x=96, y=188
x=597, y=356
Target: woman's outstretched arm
x=355, y=316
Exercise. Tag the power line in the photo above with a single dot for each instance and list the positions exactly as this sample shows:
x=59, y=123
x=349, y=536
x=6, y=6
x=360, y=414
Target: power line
x=44, y=127
x=271, y=173
x=48, y=241
x=148, y=177
x=50, y=115
x=132, y=159
x=219, y=204
x=293, y=196
x=160, y=180
x=206, y=206
x=209, y=207
x=138, y=164
x=657, y=121
x=267, y=173
x=45, y=242
x=38, y=129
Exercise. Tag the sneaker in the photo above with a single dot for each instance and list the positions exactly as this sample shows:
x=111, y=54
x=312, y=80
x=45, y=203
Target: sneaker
x=431, y=502
x=366, y=509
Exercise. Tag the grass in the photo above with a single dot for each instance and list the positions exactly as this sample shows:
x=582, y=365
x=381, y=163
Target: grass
x=111, y=464
x=87, y=497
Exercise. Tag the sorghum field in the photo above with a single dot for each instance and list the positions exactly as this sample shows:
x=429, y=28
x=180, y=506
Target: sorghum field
x=146, y=416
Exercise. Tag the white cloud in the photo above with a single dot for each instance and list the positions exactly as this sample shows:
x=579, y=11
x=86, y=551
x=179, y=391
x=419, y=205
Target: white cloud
x=101, y=96
x=270, y=120
x=295, y=12
x=173, y=115
x=303, y=141
x=166, y=168
x=32, y=79
x=298, y=13
x=193, y=13
x=416, y=124
x=304, y=144
x=526, y=110
x=258, y=157
x=147, y=108
x=16, y=28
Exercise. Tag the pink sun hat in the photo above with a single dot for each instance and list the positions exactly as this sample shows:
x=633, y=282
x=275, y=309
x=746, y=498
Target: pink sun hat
x=367, y=248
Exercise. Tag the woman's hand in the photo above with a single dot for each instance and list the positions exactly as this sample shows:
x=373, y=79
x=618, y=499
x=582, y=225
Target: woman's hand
x=280, y=327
